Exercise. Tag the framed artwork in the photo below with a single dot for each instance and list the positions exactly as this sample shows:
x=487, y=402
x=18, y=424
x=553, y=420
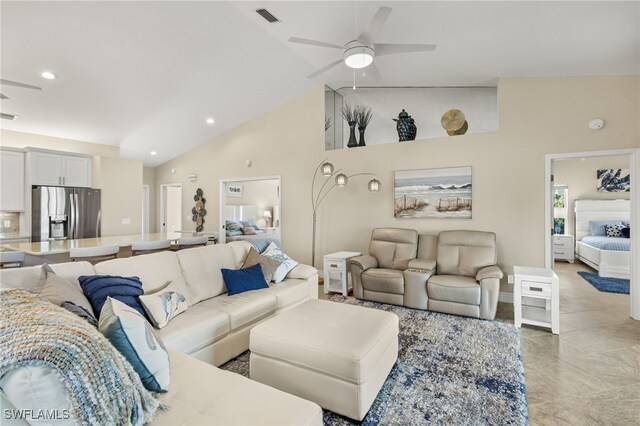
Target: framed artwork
x=433, y=193
x=614, y=180
x=235, y=189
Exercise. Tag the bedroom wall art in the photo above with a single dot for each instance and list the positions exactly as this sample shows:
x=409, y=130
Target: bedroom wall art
x=433, y=193
x=614, y=180
x=235, y=189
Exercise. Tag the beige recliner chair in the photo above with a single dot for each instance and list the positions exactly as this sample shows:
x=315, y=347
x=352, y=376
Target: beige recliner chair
x=467, y=282
x=391, y=273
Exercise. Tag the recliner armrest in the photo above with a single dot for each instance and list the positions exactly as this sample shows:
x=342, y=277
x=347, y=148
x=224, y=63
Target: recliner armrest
x=302, y=271
x=422, y=264
x=489, y=272
x=365, y=262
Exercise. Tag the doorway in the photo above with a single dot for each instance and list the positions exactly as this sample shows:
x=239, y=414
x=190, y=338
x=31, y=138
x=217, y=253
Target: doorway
x=170, y=207
x=633, y=156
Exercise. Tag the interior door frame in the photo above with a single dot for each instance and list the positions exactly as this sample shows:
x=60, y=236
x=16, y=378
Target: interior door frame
x=222, y=238
x=145, y=209
x=634, y=165
x=163, y=207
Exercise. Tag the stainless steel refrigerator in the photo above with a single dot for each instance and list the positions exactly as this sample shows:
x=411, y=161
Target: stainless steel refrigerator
x=59, y=213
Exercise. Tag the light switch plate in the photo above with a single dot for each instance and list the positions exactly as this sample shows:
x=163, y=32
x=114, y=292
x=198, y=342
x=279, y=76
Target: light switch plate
x=7, y=224
x=510, y=279
x=126, y=221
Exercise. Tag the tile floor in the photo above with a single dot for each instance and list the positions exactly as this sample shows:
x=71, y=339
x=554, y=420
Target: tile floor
x=590, y=373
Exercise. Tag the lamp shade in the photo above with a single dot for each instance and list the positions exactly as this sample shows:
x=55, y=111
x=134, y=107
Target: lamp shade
x=327, y=169
x=267, y=213
x=341, y=179
x=374, y=185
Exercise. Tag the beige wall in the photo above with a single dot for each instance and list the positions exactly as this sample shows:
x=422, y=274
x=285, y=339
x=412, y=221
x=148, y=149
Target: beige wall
x=537, y=116
x=580, y=177
x=149, y=178
x=121, y=185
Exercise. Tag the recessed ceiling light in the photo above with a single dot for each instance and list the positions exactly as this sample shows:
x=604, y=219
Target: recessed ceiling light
x=153, y=153
x=210, y=121
x=48, y=75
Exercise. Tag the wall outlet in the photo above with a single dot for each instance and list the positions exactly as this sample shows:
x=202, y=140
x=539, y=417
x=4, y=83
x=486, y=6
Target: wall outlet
x=510, y=279
x=7, y=224
x=126, y=221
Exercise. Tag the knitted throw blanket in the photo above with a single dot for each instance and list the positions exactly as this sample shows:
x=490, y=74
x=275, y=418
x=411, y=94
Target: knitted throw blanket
x=101, y=385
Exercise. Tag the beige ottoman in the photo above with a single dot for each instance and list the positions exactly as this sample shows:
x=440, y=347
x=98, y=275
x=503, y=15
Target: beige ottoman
x=333, y=354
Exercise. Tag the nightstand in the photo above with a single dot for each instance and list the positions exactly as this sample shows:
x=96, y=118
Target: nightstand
x=563, y=247
x=336, y=272
x=537, y=284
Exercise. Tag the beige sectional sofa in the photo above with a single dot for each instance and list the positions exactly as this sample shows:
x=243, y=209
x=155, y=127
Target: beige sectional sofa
x=214, y=329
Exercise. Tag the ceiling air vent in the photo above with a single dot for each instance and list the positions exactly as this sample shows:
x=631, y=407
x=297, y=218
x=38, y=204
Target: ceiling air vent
x=266, y=15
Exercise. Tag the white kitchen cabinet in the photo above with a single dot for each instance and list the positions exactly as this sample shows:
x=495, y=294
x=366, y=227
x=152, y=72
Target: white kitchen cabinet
x=11, y=180
x=48, y=168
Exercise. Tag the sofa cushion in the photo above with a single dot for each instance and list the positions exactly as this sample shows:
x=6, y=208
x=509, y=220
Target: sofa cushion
x=454, y=288
x=202, y=394
x=153, y=269
x=201, y=267
x=243, y=280
x=132, y=335
x=289, y=292
x=393, y=247
x=30, y=278
x=245, y=308
x=465, y=252
x=163, y=306
x=58, y=290
x=286, y=263
x=195, y=329
x=268, y=265
x=383, y=280
x=98, y=288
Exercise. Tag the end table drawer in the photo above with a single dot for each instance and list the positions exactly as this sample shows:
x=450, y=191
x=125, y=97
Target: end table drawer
x=334, y=265
x=562, y=252
x=536, y=288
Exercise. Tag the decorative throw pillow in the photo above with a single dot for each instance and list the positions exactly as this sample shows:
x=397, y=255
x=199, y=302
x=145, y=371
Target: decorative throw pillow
x=286, y=263
x=241, y=280
x=83, y=313
x=58, y=290
x=163, y=305
x=267, y=264
x=626, y=232
x=598, y=227
x=125, y=289
x=233, y=233
x=251, y=223
x=248, y=230
x=133, y=336
x=614, y=231
x=232, y=226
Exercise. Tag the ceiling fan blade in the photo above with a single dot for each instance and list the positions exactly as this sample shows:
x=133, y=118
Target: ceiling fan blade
x=7, y=116
x=372, y=72
x=2, y=96
x=382, y=49
x=4, y=82
x=374, y=27
x=325, y=68
x=314, y=42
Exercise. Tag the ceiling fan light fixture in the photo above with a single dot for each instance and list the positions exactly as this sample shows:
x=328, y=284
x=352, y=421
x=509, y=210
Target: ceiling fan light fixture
x=48, y=75
x=358, y=56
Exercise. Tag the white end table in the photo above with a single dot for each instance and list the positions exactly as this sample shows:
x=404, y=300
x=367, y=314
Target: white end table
x=536, y=283
x=336, y=272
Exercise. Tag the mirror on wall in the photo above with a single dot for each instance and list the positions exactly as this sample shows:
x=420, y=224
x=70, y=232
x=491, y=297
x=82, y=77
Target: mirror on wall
x=333, y=128
x=250, y=210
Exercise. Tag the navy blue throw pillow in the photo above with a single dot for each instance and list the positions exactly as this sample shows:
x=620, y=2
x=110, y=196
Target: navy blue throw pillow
x=241, y=280
x=626, y=232
x=125, y=289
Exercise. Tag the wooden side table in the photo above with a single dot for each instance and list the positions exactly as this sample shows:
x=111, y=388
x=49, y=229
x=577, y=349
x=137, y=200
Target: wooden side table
x=536, y=283
x=336, y=272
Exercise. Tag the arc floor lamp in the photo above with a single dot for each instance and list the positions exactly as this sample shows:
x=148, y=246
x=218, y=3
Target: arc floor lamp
x=340, y=179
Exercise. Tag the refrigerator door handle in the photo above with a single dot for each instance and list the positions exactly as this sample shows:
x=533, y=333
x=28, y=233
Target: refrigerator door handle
x=76, y=214
x=71, y=218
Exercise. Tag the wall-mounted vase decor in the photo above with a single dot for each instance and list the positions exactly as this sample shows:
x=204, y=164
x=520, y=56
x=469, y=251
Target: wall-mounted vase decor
x=364, y=117
x=198, y=211
x=350, y=115
x=406, y=127
x=614, y=180
x=454, y=122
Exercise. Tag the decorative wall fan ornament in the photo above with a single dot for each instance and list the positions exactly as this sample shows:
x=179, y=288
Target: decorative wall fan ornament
x=198, y=211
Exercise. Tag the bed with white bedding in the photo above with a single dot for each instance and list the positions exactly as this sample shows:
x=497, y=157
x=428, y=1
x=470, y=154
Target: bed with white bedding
x=610, y=256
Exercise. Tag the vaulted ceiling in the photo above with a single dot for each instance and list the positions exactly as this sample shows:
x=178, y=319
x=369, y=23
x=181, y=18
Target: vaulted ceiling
x=146, y=75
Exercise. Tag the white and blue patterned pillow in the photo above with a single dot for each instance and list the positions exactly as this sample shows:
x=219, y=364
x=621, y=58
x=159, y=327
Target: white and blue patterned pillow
x=286, y=263
x=614, y=231
x=163, y=305
x=132, y=335
x=598, y=227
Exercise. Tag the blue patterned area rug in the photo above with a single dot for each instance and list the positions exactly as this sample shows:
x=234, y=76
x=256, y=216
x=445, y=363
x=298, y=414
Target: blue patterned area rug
x=451, y=370
x=610, y=285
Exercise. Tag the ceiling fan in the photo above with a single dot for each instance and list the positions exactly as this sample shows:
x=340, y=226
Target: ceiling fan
x=359, y=53
x=4, y=82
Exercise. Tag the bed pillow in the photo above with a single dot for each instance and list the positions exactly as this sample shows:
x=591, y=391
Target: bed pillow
x=233, y=233
x=626, y=232
x=286, y=263
x=598, y=227
x=232, y=226
x=124, y=289
x=131, y=334
x=58, y=290
x=163, y=305
x=242, y=280
x=248, y=230
x=251, y=223
x=614, y=231
x=268, y=265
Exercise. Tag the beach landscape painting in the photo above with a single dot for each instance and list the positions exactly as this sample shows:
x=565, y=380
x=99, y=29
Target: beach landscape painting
x=433, y=193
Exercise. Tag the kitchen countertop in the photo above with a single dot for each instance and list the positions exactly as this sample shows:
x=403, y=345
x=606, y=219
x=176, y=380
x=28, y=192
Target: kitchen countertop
x=63, y=246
